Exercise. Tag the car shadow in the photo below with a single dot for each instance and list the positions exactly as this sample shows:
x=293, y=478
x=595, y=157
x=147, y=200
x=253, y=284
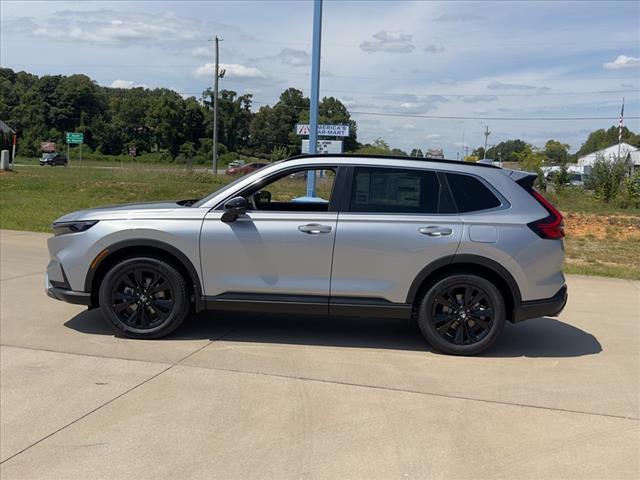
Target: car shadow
x=540, y=337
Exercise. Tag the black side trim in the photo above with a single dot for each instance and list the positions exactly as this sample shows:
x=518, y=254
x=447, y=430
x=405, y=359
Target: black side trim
x=269, y=303
x=69, y=296
x=308, y=305
x=144, y=242
x=548, y=307
x=368, y=307
x=464, y=259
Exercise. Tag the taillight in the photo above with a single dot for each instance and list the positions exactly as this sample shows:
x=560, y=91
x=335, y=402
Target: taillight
x=551, y=226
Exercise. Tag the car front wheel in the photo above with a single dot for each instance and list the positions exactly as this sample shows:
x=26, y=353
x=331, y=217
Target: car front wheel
x=144, y=297
x=462, y=314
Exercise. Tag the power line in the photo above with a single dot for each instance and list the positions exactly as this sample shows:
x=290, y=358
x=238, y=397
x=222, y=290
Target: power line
x=456, y=117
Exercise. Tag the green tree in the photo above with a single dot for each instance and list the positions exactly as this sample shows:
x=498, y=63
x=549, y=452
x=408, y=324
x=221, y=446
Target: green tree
x=531, y=160
x=508, y=151
x=557, y=152
x=602, y=138
x=378, y=147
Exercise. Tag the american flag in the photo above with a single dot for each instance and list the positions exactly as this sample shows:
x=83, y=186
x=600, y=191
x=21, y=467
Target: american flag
x=621, y=122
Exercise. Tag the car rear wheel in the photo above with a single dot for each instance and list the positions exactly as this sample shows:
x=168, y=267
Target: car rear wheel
x=462, y=314
x=144, y=297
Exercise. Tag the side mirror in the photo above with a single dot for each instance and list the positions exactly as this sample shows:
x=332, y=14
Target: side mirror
x=233, y=209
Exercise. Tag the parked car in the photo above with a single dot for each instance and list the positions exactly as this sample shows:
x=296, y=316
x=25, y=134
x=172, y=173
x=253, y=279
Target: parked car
x=245, y=169
x=459, y=247
x=54, y=159
x=235, y=164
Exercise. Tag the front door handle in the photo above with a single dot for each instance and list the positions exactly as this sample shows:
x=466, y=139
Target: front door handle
x=435, y=231
x=314, y=228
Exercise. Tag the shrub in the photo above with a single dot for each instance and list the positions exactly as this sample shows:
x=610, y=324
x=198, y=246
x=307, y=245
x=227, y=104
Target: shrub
x=606, y=178
x=629, y=196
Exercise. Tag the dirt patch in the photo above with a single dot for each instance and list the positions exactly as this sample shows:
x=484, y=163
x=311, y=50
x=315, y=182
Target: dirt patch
x=602, y=226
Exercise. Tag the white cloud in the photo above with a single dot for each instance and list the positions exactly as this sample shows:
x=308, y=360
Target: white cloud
x=293, y=57
x=433, y=49
x=126, y=84
x=232, y=70
x=390, y=42
x=433, y=136
x=119, y=28
x=479, y=98
x=496, y=85
x=202, y=52
x=450, y=17
x=622, y=61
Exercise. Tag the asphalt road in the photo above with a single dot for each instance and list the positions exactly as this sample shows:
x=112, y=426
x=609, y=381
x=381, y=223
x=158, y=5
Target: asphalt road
x=285, y=397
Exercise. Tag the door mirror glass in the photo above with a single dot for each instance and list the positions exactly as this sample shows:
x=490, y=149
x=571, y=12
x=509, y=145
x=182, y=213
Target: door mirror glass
x=233, y=209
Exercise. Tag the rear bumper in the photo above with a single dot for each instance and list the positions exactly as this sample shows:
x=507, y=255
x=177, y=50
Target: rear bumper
x=548, y=307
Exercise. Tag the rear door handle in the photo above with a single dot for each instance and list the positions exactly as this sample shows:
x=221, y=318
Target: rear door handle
x=435, y=231
x=314, y=228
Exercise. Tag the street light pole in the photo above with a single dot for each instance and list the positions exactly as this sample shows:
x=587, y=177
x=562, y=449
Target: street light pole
x=315, y=90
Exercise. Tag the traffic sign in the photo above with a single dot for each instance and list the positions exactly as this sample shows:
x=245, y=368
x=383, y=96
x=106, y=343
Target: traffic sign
x=324, y=130
x=132, y=151
x=324, y=146
x=75, y=137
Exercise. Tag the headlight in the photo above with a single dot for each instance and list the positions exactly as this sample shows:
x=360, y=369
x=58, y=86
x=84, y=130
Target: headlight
x=72, y=227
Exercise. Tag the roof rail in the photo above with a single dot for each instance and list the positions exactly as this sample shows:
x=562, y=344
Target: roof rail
x=387, y=157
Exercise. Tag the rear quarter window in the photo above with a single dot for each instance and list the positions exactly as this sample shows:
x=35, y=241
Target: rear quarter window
x=470, y=194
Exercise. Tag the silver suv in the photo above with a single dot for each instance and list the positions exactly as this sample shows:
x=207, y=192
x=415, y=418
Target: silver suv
x=460, y=247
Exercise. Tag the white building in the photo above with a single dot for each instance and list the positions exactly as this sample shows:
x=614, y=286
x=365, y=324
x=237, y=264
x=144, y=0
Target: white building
x=609, y=154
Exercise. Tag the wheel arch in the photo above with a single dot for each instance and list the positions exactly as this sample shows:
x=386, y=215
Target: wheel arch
x=482, y=266
x=143, y=247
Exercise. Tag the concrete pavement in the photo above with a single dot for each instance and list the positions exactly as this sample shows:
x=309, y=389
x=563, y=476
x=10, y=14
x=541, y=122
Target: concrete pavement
x=232, y=396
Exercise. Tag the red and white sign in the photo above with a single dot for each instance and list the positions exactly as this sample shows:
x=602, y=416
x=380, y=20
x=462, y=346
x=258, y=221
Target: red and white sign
x=48, y=147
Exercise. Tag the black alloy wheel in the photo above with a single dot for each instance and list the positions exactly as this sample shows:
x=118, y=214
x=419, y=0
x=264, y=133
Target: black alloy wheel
x=144, y=297
x=462, y=314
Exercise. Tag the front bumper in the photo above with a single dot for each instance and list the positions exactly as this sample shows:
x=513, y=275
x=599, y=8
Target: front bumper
x=548, y=307
x=65, y=295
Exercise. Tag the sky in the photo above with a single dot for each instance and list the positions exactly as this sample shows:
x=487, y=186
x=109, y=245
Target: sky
x=398, y=66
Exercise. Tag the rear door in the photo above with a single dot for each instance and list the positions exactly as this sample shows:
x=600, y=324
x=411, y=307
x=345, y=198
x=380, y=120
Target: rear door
x=394, y=223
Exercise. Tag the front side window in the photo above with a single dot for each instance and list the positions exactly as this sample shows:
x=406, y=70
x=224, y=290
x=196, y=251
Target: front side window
x=394, y=190
x=289, y=193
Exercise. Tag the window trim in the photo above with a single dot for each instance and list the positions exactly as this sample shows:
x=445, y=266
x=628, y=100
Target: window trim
x=281, y=173
x=345, y=206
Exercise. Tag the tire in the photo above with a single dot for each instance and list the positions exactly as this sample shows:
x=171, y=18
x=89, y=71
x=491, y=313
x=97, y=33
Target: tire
x=144, y=297
x=462, y=314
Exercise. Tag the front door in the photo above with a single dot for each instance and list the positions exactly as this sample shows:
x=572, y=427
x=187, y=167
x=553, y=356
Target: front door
x=278, y=253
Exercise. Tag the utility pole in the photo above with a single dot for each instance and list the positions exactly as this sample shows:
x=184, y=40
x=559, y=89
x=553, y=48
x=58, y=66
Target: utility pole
x=486, y=137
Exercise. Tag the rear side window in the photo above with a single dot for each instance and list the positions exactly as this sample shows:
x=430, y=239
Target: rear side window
x=395, y=190
x=470, y=194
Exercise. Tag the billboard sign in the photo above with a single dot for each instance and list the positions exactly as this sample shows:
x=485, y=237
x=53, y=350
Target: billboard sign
x=48, y=147
x=324, y=146
x=324, y=130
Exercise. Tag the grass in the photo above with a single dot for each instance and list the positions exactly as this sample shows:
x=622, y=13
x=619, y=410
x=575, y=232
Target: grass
x=32, y=197
x=600, y=240
x=612, y=257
